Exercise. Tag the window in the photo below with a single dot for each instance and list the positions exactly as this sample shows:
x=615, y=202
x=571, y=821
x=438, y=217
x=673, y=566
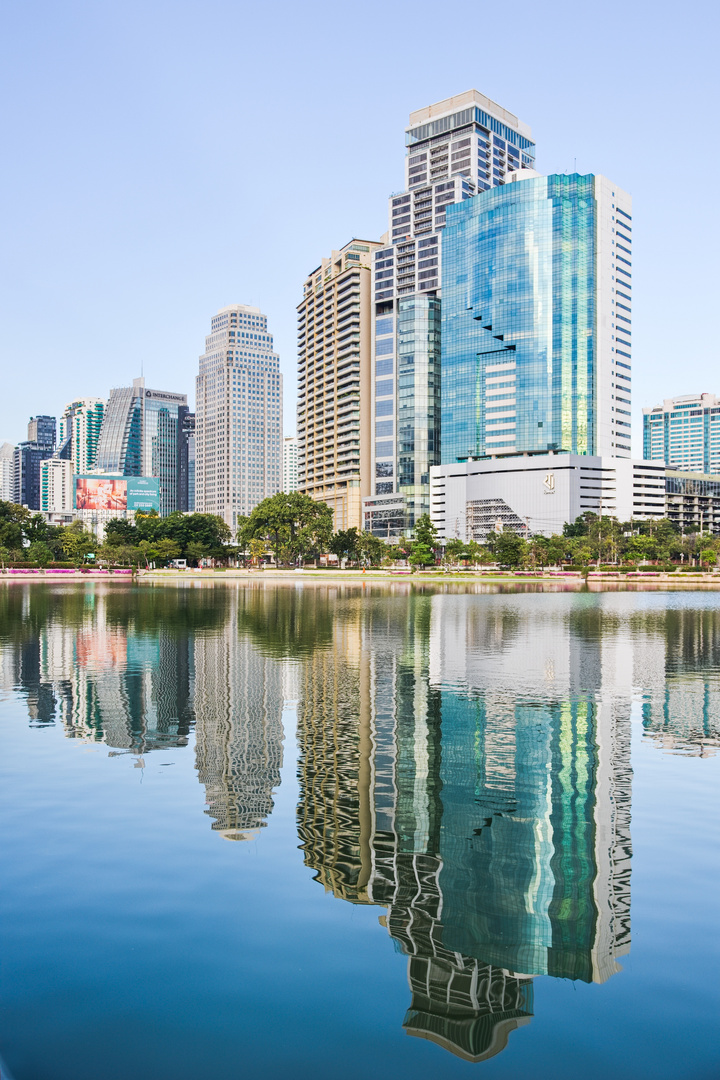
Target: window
x=383, y=387
x=384, y=347
x=426, y=243
x=384, y=326
x=384, y=408
x=383, y=449
x=383, y=367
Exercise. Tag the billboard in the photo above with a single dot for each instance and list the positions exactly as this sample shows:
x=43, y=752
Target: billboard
x=117, y=494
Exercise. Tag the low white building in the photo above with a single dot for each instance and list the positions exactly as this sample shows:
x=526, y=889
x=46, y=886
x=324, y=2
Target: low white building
x=538, y=494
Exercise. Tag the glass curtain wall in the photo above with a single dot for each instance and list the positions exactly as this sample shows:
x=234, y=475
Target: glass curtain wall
x=418, y=390
x=519, y=320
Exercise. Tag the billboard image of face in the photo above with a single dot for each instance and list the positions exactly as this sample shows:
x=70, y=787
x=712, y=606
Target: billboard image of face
x=100, y=493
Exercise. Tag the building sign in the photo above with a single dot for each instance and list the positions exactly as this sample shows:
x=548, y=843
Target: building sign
x=549, y=483
x=118, y=494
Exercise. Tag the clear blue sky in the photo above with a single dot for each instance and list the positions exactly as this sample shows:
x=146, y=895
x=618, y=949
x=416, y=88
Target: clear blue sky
x=162, y=160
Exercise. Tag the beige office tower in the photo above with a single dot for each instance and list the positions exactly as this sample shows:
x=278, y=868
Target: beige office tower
x=334, y=413
x=238, y=416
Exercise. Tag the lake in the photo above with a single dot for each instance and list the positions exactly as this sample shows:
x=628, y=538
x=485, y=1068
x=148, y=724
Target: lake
x=396, y=830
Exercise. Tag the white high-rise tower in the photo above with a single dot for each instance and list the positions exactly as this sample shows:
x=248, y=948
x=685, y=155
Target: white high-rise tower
x=238, y=419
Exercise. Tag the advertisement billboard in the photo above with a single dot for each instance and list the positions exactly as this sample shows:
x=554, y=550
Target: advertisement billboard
x=117, y=494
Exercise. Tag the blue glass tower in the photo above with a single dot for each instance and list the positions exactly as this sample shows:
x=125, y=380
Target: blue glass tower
x=531, y=361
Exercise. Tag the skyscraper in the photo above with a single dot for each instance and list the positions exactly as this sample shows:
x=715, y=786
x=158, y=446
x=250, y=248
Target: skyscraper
x=140, y=436
x=27, y=456
x=684, y=432
x=79, y=432
x=238, y=418
x=459, y=147
x=186, y=480
x=7, y=472
x=289, y=463
x=334, y=404
x=536, y=297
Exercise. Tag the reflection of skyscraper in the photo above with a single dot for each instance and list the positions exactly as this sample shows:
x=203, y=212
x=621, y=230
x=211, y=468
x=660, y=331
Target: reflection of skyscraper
x=239, y=732
x=539, y=856
x=370, y=815
x=498, y=804
x=333, y=733
x=681, y=702
x=80, y=663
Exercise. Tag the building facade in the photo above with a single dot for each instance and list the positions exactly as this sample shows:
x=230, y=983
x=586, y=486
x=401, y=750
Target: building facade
x=79, y=432
x=334, y=403
x=684, y=432
x=56, y=486
x=141, y=436
x=238, y=417
x=27, y=457
x=536, y=298
x=7, y=472
x=537, y=494
x=454, y=149
x=290, y=481
x=186, y=476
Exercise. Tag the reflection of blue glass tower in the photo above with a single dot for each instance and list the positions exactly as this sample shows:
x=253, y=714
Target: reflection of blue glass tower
x=534, y=277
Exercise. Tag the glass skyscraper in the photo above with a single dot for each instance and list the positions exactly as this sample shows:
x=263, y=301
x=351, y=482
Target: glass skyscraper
x=536, y=345
x=455, y=149
x=141, y=436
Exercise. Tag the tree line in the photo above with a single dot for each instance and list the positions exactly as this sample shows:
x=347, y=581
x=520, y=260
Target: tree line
x=293, y=529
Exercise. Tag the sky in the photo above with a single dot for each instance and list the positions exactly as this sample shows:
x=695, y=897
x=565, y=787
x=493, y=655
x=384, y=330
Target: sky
x=163, y=160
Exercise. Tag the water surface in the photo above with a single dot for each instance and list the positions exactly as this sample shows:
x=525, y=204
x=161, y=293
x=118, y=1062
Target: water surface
x=263, y=830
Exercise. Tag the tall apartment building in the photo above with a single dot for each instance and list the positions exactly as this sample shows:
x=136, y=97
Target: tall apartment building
x=238, y=417
x=7, y=472
x=334, y=412
x=290, y=446
x=79, y=432
x=684, y=432
x=536, y=345
x=56, y=486
x=141, y=436
x=27, y=457
x=454, y=149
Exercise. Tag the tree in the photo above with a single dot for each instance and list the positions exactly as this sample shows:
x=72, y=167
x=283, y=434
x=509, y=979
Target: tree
x=455, y=550
x=372, y=549
x=294, y=525
x=196, y=551
x=167, y=550
x=509, y=548
x=13, y=518
x=76, y=543
x=345, y=544
x=421, y=555
x=425, y=532
x=39, y=553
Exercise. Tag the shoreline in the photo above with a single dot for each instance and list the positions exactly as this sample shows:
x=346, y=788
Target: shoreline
x=463, y=577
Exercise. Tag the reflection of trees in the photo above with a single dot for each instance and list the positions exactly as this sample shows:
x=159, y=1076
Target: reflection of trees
x=287, y=621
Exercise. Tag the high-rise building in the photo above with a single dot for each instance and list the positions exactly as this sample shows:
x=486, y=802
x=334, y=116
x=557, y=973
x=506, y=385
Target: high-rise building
x=290, y=472
x=56, y=486
x=7, y=472
x=454, y=149
x=186, y=481
x=140, y=436
x=238, y=417
x=27, y=456
x=42, y=430
x=684, y=432
x=79, y=432
x=334, y=411
x=536, y=347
